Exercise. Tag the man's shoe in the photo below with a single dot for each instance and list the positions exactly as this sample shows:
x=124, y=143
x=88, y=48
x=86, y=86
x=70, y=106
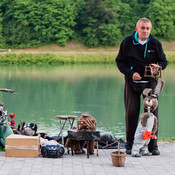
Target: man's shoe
x=128, y=151
x=155, y=152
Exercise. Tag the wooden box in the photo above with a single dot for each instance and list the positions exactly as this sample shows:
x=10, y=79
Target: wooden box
x=22, y=146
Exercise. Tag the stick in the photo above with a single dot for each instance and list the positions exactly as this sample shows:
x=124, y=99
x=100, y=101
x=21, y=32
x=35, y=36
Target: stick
x=110, y=144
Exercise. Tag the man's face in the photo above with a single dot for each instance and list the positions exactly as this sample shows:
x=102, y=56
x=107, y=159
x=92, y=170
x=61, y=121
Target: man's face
x=143, y=30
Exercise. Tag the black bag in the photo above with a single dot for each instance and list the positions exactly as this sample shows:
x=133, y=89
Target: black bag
x=139, y=87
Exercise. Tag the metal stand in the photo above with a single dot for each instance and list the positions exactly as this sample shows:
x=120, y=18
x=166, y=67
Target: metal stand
x=65, y=118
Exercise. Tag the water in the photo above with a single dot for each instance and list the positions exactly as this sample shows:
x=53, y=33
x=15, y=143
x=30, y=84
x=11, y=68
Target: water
x=46, y=91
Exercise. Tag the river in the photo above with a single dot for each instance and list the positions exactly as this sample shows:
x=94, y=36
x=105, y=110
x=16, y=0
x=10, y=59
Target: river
x=46, y=91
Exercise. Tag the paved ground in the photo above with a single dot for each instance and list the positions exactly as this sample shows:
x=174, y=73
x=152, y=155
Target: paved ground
x=102, y=165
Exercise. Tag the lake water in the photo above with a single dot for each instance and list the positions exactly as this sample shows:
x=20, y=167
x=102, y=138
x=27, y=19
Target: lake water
x=46, y=91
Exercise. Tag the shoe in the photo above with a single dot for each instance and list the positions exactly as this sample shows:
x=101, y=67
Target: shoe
x=128, y=151
x=155, y=152
x=137, y=155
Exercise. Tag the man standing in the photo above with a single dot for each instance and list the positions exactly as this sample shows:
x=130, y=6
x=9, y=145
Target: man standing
x=137, y=51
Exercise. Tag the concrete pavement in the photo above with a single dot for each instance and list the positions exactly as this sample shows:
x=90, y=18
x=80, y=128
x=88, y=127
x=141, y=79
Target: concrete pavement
x=102, y=165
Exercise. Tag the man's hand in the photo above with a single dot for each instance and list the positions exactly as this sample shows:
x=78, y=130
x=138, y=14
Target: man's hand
x=155, y=68
x=136, y=76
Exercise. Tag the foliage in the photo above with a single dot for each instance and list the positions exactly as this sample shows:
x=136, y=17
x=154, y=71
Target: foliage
x=162, y=15
x=31, y=23
x=1, y=37
x=95, y=23
x=123, y=13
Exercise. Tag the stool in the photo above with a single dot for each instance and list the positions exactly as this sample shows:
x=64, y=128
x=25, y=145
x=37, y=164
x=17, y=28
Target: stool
x=70, y=118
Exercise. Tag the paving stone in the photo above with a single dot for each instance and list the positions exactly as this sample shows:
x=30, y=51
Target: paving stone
x=102, y=165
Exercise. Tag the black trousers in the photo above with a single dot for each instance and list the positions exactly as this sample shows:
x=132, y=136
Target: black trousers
x=132, y=99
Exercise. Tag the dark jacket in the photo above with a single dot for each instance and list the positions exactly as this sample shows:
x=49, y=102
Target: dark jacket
x=133, y=57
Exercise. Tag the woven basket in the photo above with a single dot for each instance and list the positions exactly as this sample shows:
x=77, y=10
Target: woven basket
x=118, y=157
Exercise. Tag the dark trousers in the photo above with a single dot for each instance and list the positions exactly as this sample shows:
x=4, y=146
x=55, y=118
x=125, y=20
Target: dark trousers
x=132, y=99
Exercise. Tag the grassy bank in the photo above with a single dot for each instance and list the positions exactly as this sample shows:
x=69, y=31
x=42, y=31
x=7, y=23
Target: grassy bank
x=72, y=53
x=86, y=58
x=170, y=56
x=166, y=139
x=55, y=59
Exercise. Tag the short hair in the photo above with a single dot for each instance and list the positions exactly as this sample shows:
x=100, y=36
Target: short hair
x=145, y=20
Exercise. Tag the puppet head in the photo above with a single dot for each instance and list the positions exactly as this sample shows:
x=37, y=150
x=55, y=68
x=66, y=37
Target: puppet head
x=151, y=96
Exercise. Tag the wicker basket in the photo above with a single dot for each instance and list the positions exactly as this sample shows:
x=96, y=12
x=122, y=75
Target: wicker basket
x=118, y=157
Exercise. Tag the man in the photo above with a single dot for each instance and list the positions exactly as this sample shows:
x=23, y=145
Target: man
x=137, y=51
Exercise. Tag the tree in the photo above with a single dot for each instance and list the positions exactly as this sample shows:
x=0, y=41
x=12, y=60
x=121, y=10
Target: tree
x=30, y=23
x=162, y=16
x=1, y=36
x=123, y=13
x=96, y=24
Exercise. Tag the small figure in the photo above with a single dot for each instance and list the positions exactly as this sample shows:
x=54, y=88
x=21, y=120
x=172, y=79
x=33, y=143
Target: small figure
x=148, y=123
x=12, y=122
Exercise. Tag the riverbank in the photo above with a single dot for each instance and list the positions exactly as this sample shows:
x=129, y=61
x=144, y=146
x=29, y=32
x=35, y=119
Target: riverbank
x=56, y=58
x=65, y=58
x=73, y=53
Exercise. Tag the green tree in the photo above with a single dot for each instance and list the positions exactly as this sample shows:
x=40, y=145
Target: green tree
x=162, y=15
x=1, y=36
x=124, y=15
x=29, y=23
x=96, y=24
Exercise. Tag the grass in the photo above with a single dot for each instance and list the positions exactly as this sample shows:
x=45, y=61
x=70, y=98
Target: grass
x=73, y=53
x=168, y=139
x=170, y=56
x=29, y=58
x=55, y=59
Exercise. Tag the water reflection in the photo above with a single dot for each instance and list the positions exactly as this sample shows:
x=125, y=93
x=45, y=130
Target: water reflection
x=46, y=91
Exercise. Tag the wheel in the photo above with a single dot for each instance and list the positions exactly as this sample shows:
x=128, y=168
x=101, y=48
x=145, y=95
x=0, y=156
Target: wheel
x=44, y=151
x=61, y=151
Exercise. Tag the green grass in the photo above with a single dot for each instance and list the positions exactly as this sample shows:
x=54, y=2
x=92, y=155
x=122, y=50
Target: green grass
x=168, y=139
x=170, y=56
x=29, y=58
x=55, y=59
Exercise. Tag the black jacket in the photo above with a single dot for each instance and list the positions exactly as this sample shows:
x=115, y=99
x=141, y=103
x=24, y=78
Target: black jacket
x=133, y=57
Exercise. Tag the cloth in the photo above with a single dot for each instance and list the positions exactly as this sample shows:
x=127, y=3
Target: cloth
x=47, y=142
x=5, y=131
x=142, y=42
x=133, y=56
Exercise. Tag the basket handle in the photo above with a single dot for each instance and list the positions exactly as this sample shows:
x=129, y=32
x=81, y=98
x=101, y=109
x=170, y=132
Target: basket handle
x=118, y=148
